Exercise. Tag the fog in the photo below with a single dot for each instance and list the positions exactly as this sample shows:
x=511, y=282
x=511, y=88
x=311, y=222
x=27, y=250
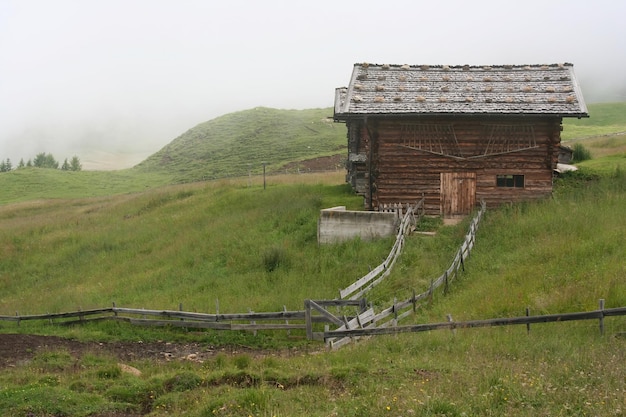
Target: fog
x=113, y=81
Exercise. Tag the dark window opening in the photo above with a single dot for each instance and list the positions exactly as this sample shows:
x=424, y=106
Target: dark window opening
x=514, y=181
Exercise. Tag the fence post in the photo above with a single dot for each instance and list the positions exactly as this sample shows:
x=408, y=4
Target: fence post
x=450, y=320
x=462, y=261
x=114, y=309
x=527, y=324
x=414, y=301
x=307, y=319
x=395, y=309
x=286, y=321
x=252, y=322
x=430, y=292
x=602, y=316
x=17, y=314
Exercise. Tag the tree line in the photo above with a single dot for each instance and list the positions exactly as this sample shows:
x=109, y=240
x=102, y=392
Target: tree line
x=43, y=160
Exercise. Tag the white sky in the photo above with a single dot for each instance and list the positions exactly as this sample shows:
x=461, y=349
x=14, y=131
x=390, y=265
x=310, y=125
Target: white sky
x=113, y=81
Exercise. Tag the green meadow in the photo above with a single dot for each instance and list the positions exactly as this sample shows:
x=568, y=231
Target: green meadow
x=207, y=243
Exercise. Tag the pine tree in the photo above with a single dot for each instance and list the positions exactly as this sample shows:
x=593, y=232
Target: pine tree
x=75, y=164
x=44, y=160
x=6, y=166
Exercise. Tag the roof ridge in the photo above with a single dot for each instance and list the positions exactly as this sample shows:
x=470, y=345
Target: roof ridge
x=560, y=65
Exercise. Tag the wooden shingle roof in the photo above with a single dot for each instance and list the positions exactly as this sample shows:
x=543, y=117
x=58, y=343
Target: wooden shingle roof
x=463, y=89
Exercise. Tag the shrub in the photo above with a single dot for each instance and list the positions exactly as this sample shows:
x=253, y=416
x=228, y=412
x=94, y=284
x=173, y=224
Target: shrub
x=580, y=153
x=273, y=258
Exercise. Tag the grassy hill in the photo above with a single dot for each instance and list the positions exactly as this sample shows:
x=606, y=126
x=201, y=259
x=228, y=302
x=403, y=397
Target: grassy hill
x=201, y=242
x=198, y=243
x=239, y=143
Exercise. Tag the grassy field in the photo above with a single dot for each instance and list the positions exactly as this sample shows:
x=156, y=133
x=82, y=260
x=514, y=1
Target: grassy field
x=604, y=119
x=191, y=243
x=197, y=243
x=29, y=184
x=156, y=247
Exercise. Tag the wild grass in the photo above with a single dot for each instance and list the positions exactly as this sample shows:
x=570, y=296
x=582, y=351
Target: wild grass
x=559, y=369
x=554, y=256
x=198, y=243
x=195, y=243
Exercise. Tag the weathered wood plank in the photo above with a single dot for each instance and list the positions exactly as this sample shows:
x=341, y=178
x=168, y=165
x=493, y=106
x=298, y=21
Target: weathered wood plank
x=54, y=316
x=589, y=315
x=402, y=172
x=331, y=318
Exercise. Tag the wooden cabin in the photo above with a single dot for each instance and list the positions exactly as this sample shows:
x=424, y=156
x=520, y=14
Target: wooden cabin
x=455, y=135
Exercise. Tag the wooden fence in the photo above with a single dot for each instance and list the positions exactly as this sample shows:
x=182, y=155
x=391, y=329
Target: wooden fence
x=506, y=321
x=410, y=215
x=283, y=320
x=399, y=310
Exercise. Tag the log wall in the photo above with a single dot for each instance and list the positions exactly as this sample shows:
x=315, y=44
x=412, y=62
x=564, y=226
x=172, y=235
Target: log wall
x=406, y=167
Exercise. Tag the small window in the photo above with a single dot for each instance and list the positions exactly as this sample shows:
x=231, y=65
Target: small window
x=513, y=181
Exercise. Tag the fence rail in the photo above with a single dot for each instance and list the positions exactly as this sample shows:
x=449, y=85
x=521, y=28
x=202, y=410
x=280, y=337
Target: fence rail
x=292, y=320
x=410, y=217
x=399, y=310
x=507, y=321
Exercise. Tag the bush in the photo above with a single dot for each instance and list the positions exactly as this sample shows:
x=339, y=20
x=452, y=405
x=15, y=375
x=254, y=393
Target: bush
x=580, y=153
x=273, y=258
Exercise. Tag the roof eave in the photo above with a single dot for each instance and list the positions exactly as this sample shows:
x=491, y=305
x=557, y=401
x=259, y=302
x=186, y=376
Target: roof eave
x=342, y=117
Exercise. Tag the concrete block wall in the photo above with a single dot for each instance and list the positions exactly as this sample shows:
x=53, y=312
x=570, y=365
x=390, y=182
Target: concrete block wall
x=337, y=224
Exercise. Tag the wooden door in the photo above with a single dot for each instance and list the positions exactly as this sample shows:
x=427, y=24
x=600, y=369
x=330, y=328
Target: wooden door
x=458, y=193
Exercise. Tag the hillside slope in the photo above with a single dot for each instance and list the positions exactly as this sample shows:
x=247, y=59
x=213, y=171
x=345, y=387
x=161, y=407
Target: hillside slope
x=239, y=143
x=604, y=119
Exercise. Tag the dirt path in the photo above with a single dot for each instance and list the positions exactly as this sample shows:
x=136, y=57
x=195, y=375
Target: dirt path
x=20, y=348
